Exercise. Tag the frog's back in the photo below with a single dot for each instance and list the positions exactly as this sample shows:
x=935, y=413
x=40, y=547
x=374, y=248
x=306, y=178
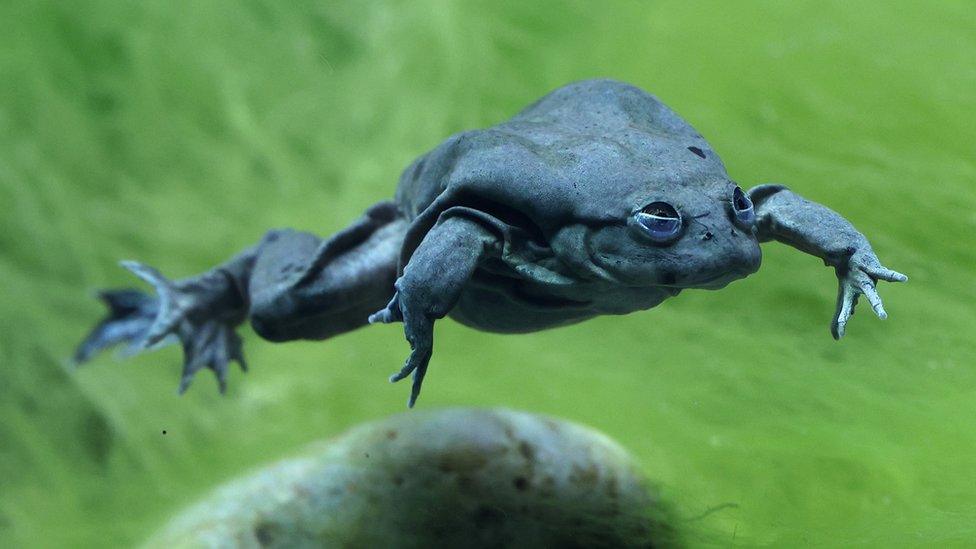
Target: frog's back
x=603, y=107
x=592, y=126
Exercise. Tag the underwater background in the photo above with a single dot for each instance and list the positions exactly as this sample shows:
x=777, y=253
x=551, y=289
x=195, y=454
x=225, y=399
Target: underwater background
x=177, y=132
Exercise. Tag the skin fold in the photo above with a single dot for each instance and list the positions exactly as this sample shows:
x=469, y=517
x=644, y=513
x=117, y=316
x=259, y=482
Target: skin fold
x=597, y=199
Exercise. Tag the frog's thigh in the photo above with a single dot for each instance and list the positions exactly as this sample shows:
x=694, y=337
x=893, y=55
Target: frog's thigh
x=306, y=287
x=442, y=265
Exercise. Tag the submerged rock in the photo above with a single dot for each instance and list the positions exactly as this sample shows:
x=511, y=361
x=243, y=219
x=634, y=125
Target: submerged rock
x=448, y=478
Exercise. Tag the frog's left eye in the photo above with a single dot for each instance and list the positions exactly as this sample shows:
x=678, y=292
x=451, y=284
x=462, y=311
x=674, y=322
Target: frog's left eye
x=742, y=206
x=660, y=221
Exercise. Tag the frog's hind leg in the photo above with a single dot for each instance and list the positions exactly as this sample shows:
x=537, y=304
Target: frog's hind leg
x=293, y=285
x=304, y=287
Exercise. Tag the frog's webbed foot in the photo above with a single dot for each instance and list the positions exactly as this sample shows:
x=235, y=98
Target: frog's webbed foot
x=858, y=276
x=212, y=345
x=418, y=328
x=130, y=315
x=205, y=329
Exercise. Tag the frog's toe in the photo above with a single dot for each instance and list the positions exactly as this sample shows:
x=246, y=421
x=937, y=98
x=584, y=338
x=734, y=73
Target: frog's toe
x=880, y=272
x=416, y=365
x=131, y=314
x=419, y=330
x=171, y=307
x=390, y=313
x=211, y=345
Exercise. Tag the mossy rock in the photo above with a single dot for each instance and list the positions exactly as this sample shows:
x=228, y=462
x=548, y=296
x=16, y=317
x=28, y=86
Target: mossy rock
x=448, y=478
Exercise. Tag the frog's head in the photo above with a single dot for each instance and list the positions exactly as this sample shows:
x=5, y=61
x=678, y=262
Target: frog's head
x=682, y=237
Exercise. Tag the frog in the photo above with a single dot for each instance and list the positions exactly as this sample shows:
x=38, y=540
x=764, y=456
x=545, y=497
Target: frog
x=597, y=199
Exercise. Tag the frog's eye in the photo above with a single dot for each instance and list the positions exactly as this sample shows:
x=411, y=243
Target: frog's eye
x=660, y=221
x=742, y=207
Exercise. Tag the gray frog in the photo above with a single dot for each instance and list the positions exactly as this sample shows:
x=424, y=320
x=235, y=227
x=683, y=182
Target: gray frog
x=597, y=199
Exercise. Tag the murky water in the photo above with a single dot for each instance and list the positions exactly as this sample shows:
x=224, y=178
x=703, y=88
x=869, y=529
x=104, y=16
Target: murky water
x=177, y=134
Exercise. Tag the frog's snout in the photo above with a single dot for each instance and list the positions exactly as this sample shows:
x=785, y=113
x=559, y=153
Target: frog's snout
x=714, y=251
x=721, y=258
x=705, y=255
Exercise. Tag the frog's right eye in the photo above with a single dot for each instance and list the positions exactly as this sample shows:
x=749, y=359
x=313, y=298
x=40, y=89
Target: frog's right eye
x=659, y=221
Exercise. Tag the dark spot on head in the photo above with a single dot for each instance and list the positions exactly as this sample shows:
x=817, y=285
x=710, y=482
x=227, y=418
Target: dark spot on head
x=527, y=451
x=697, y=151
x=391, y=435
x=265, y=533
x=520, y=483
x=398, y=480
x=366, y=454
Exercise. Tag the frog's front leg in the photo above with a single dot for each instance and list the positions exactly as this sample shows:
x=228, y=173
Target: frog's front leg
x=431, y=285
x=817, y=230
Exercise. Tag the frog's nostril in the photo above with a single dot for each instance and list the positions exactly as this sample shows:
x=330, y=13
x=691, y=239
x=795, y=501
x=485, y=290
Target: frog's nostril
x=708, y=235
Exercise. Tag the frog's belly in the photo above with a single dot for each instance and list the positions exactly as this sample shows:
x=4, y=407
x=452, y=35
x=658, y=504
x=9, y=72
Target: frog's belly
x=511, y=306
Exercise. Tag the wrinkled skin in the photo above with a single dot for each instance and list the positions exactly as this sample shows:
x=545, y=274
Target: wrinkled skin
x=597, y=199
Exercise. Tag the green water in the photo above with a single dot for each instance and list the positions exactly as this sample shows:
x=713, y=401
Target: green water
x=177, y=132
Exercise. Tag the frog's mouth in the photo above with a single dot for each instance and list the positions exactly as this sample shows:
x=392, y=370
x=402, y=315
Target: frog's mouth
x=603, y=268
x=575, y=248
x=715, y=282
x=572, y=248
